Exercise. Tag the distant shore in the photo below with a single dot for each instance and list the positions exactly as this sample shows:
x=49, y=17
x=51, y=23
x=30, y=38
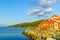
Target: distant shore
x=27, y=24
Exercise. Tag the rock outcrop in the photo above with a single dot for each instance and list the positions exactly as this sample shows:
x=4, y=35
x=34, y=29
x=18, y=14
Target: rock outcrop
x=42, y=34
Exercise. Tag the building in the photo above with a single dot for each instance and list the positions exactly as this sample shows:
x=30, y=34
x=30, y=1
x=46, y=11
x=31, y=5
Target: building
x=52, y=23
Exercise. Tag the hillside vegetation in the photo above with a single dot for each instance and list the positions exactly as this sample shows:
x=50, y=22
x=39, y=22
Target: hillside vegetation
x=27, y=24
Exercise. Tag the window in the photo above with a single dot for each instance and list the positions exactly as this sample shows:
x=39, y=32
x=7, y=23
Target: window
x=51, y=26
x=56, y=25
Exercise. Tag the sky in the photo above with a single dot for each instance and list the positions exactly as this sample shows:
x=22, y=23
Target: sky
x=16, y=11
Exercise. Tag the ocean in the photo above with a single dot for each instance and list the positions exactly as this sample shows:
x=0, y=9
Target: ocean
x=12, y=34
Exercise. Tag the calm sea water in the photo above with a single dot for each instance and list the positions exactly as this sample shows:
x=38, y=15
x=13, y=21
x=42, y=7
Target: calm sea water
x=12, y=34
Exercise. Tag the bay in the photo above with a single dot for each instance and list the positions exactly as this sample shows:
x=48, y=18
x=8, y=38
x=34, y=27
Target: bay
x=12, y=33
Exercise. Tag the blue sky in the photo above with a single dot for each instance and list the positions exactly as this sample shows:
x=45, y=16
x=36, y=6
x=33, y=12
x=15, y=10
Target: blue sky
x=16, y=11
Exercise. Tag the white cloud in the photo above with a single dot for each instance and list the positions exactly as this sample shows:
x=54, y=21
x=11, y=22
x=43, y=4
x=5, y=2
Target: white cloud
x=50, y=2
x=35, y=11
x=42, y=2
x=43, y=7
x=49, y=10
x=54, y=0
x=41, y=14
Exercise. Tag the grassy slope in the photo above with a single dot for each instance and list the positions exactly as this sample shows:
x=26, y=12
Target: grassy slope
x=27, y=24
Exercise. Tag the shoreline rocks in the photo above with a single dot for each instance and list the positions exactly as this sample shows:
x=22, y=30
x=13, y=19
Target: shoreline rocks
x=41, y=34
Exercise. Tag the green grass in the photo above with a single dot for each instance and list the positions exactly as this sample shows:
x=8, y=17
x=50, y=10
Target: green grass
x=27, y=24
x=58, y=30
